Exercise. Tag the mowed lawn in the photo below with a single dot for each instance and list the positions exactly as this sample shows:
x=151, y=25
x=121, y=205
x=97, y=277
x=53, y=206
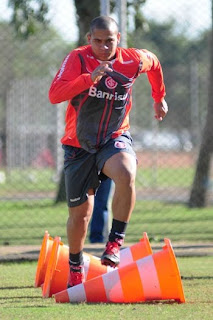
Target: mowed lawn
x=24, y=222
x=20, y=300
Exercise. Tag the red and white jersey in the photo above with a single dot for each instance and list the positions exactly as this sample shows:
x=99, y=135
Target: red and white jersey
x=97, y=112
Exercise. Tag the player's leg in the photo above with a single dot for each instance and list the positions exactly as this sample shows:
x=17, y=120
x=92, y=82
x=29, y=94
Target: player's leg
x=81, y=181
x=119, y=164
x=121, y=168
x=77, y=226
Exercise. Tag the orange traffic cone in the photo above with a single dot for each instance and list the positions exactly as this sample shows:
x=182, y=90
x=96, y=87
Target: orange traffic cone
x=43, y=259
x=58, y=267
x=136, y=251
x=155, y=277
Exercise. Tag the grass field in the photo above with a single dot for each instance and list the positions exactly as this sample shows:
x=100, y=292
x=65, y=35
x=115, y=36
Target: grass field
x=24, y=222
x=20, y=300
x=34, y=180
x=26, y=180
x=165, y=177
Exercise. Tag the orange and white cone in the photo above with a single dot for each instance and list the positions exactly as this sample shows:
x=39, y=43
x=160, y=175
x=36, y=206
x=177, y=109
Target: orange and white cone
x=44, y=255
x=136, y=251
x=46, y=252
x=58, y=267
x=155, y=277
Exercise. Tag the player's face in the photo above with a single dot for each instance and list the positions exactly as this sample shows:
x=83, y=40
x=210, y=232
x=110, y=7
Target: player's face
x=104, y=43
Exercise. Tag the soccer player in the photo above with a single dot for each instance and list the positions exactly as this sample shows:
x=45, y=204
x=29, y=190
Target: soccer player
x=97, y=81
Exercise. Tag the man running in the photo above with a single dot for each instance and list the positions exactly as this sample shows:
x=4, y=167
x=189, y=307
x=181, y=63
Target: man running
x=97, y=81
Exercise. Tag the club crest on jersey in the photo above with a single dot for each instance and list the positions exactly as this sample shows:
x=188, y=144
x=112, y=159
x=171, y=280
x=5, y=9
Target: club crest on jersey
x=120, y=145
x=110, y=83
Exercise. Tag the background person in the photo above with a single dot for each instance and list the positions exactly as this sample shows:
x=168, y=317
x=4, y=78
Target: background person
x=100, y=212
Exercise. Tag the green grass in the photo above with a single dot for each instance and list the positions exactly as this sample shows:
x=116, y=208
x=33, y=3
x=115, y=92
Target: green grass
x=36, y=180
x=24, y=180
x=24, y=222
x=165, y=177
x=175, y=221
x=20, y=300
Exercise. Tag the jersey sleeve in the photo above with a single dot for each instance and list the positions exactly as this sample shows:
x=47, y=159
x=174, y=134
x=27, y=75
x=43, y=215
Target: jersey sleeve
x=152, y=66
x=69, y=81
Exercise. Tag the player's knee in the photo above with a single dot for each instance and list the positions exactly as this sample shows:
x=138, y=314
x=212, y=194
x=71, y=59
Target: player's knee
x=126, y=177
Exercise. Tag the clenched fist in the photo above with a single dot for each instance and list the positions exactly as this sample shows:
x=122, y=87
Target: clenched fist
x=100, y=71
x=161, y=109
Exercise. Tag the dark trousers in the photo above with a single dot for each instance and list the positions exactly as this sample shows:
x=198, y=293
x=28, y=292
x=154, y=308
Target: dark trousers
x=100, y=212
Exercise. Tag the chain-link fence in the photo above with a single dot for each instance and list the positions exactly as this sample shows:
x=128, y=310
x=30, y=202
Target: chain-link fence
x=31, y=158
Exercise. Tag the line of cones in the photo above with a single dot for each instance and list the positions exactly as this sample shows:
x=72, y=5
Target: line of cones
x=141, y=276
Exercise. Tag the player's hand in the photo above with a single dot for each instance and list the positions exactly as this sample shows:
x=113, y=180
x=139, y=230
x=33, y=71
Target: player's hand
x=100, y=71
x=161, y=109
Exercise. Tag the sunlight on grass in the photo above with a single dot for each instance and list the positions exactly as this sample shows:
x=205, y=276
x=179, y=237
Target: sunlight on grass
x=29, y=180
x=20, y=300
x=161, y=177
x=26, y=221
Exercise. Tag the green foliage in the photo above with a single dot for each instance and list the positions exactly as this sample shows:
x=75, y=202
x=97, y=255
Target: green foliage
x=134, y=7
x=39, y=56
x=28, y=16
x=177, y=54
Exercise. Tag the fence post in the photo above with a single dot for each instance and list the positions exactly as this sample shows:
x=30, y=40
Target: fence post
x=105, y=7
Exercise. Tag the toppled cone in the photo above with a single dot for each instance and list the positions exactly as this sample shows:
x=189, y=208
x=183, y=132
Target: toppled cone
x=155, y=277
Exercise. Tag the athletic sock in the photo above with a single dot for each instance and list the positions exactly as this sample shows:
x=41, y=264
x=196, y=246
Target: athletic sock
x=117, y=232
x=76, y=261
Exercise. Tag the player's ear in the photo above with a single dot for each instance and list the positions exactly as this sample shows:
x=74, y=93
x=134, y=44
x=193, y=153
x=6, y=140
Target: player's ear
x=88, y=36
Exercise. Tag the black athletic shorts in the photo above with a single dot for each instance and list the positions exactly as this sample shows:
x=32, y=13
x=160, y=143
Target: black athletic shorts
x=83, y=169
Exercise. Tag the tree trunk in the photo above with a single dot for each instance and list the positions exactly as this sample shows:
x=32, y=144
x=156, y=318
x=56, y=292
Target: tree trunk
x=201, y=180
x=86, y=11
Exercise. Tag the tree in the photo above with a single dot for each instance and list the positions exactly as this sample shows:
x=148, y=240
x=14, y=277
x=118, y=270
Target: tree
x=174, y=51
x=25, y=45
x=86, y=11
x=201, y=179
x=27, y=16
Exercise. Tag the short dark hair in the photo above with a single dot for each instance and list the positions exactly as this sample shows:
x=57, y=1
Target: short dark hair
x=103, y=22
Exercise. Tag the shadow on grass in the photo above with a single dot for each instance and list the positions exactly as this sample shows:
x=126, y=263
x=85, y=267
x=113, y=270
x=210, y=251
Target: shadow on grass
x=20, y=297
x=14, y=288
x=197, y=278
x=170, y=302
